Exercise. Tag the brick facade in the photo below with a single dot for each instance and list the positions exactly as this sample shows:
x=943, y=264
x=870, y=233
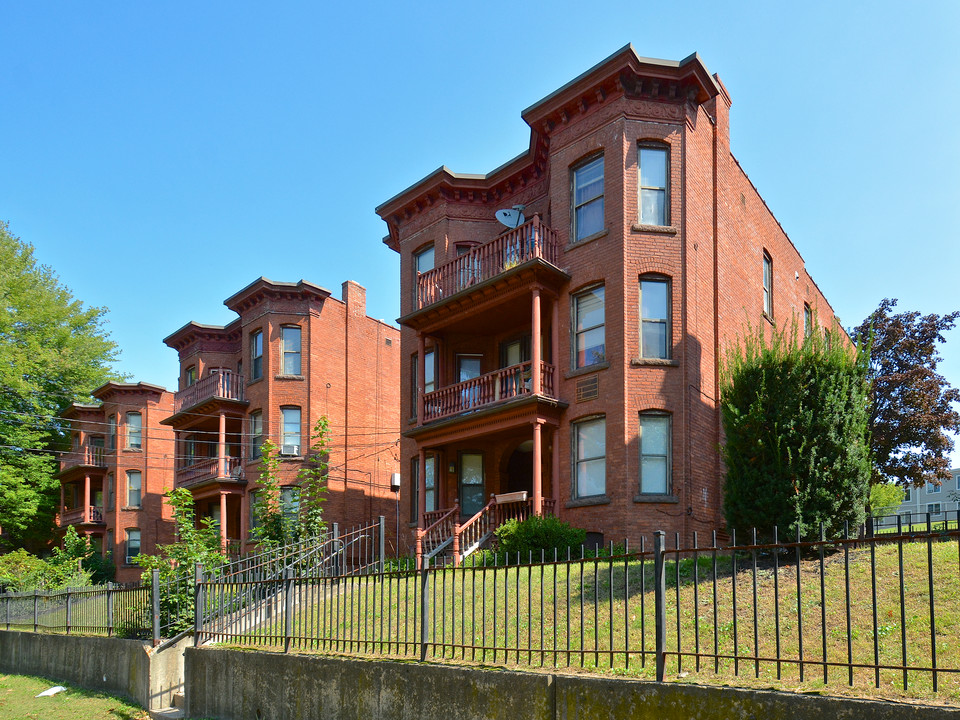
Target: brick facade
x=707, y=250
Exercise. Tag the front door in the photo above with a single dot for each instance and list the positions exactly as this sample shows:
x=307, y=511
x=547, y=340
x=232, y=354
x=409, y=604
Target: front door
x=471, y=484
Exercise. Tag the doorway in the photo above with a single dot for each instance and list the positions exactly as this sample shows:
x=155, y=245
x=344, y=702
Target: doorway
x=520, y=469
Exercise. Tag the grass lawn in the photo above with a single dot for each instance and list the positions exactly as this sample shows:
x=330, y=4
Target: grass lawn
x=17, y=702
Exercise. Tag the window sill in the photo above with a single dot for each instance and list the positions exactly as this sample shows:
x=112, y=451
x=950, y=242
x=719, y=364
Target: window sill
x=288, y=377
x=658, y=229
x=588, y=501
x=254, y=381
x=655, y=362
x=769, y=318
x=411, y=524
x=132, y=508
x=133, y=450
x=588, y=239
x=655, y=498
x=585, y=370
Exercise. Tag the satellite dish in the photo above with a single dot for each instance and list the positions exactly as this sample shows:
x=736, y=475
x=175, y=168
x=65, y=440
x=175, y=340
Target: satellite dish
x=512, y=217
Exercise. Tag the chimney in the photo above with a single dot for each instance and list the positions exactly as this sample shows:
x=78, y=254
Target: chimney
x=355, y=297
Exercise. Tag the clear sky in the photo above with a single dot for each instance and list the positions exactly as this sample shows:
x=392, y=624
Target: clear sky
x=160, y=156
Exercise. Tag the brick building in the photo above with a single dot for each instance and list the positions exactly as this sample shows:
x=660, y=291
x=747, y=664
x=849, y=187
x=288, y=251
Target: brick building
x=570, y=363
x=114, y=477
x=294, y=353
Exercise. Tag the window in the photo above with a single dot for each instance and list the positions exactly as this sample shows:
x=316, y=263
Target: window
x=588, y=199
x=134, y=424
x=768, y=285
x=190, y=376
x=109, y=540
x=807, y=321
x=254, y=513
x=430, y=496
x=429, y=372
x=588, y=324
x=655, y=453
x=933, y=508
x=291, y=427
x=110, y=491
x=290, y=505
x=653, y=186
x=112, y=431
x=256, y=433
x=590, y=450
x=422, y=262
x=189, y=450
x=933, y=489
x=290, y=349
x=134, y=486
x=256, y=355
x=906, y=495
x=133, y=545
x=655, y=319
x=472, y=492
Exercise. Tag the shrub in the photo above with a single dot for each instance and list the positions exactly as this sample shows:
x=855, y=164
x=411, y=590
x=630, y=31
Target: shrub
x=795, y=416
x=537, y=533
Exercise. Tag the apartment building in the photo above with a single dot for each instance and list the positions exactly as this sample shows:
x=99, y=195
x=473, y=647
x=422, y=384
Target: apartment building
x=564, y=359
x=940, y=501
x=293, y=353
x=119, y=466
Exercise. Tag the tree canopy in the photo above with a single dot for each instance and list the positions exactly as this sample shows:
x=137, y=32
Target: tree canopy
x=912, y=405
x=55, y=351
x=794, y=414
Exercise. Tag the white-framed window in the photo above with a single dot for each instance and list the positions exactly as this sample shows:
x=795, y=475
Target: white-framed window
x=655, y=342
x=134, y=428
x=933, y=489
x=256, y=355
x=655, y=453
x=256, y=433
x=588, y=322
x=934, y=508
x=767, y=284
x=132, y=545
x=590, y=457
x=588, y=199
x=654, y=189
x=291, y=426
x=290, y=349
x=134, y=488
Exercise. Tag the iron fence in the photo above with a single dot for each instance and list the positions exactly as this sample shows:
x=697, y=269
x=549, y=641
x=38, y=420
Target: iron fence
x=865, y=607
x=102, y=610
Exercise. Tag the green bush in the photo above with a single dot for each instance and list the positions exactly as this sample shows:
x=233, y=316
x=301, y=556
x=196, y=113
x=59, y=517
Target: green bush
x=795, y=416
x=537, y=533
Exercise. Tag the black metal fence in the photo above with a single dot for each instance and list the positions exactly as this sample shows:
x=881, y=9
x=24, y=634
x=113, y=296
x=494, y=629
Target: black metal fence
x=867, y=607
x=103, y=610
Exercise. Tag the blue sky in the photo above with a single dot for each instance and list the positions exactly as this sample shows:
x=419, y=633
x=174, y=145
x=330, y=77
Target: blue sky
x=160, y=156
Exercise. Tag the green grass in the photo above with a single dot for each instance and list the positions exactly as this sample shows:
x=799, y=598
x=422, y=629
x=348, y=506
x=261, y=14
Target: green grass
x=502, y=612
x=17, y=702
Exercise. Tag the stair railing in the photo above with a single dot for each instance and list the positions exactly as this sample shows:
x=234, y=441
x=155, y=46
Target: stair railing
x=431, y=539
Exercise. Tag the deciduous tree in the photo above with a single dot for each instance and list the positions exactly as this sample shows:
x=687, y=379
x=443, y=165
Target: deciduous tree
x=912, y=408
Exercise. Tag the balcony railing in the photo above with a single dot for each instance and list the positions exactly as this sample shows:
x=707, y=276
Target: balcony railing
x=224, y=385
x=531, y=240
x=503, y=384
x=75, y=516
x=209, y=469
x=85, y=456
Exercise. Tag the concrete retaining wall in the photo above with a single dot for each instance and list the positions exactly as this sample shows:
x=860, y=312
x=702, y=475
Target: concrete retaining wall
x=233, y=685
x=121, y=667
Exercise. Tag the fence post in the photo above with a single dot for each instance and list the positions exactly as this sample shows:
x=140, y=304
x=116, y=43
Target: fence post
x=36, y=601
x=6, y=602
x=383, y=544
x=287, y=608
x=660, y=596
x=197, y=603
x=155, y=595
x=68, y=611
x=424, y=610
x=109, y=609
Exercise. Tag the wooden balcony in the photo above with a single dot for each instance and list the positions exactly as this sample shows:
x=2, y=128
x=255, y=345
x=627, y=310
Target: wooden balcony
x=224, y=385
x=77, y=516
x=208, y=470
x=89, y=456
x=486, y=390
x=530, y=241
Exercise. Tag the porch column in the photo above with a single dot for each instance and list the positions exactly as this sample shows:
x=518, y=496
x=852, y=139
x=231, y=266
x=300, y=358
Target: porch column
x=421, y=376
x=555, y=471
x=86, y=497
x=535, y=354
x=223, y=519
x=537, y=468
x=422, y=485
x=222, y=447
